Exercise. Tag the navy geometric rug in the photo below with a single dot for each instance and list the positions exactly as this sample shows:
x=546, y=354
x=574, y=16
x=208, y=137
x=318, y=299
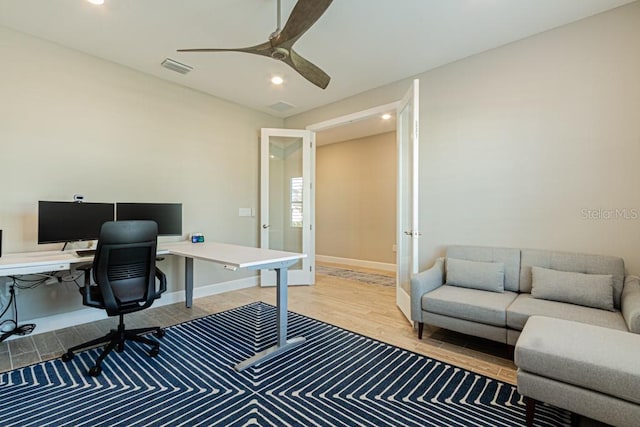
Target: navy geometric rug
x=336, y=378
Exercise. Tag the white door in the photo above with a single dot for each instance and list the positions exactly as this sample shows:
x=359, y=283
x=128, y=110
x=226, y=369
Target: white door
x=286, y=200
x=407, y=210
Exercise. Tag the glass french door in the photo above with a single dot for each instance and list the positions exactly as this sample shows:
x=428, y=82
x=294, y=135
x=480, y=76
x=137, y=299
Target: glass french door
x=407, y=210
x=286, y=200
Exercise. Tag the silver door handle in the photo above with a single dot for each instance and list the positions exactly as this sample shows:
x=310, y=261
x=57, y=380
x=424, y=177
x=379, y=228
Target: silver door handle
x=265, y=226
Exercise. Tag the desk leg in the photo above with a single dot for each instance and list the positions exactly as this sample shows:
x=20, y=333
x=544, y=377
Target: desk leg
x=188, y=281
x=282, y=293
x=283, y=343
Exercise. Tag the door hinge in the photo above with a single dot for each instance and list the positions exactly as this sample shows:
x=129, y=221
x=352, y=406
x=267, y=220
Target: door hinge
x=311, y=227
x=310, y=269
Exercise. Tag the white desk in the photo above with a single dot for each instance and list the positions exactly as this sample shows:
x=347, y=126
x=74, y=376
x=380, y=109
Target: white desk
x=234, y=257
x=231, y=256
x=44, y=262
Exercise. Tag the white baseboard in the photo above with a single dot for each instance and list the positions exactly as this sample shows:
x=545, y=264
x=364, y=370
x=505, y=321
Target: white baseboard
x=357, y=263
x=86, y=315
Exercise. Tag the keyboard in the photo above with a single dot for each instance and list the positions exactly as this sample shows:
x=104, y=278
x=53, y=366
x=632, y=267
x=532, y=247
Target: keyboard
x=86, y=252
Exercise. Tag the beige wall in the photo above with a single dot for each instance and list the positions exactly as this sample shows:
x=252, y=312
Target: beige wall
x=533, y=144
x=71, y=123
x=356, y=199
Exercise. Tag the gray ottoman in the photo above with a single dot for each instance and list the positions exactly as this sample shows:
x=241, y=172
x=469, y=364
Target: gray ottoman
x=588, y=370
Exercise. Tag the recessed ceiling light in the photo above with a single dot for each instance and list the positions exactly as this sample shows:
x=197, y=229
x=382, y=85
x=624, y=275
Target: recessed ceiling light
x=386, y=116
x=277, y=80
x=96, y=1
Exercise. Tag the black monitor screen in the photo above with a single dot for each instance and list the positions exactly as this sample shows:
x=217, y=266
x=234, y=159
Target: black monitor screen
x=71, y=221
x=167, y=215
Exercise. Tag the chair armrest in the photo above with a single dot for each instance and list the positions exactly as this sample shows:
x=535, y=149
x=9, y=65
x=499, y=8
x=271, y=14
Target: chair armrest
x=423, y=282
x=163, y=282
x=630, y=303
x=86, y=289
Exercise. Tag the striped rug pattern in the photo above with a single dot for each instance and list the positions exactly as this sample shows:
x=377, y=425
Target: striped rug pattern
x=337, y=378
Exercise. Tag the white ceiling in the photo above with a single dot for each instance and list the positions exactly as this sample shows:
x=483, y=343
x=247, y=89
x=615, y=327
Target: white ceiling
x=361, y=44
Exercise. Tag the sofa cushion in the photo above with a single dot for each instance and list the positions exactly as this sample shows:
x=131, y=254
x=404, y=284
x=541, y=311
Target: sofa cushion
x=469, y=304
x=587, y=356
x=509, y=256
x=526, y=305
x=630, y=305
x=486, y=276
x=570, y=261
x=591, y=290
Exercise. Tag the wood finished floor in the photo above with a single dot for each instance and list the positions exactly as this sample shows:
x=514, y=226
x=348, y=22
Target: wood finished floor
x=363, y=308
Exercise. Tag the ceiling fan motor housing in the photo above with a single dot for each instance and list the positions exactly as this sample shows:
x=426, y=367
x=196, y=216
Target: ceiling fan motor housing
x=280, y=53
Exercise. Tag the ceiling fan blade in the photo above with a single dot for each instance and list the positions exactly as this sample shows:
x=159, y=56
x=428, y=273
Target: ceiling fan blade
x=307, y=70
x=263, y=49
x=304, y=14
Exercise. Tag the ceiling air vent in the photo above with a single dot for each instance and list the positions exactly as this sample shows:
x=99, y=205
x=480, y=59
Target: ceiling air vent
x=176, y=66
x=281, y=106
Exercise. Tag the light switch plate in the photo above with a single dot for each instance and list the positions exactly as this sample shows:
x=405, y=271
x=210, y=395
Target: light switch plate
x=244, y=212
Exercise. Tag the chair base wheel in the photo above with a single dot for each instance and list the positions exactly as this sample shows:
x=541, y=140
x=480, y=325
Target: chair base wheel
x=94, y=371
x=159, y=333
x=154, y=352
x=67, y=356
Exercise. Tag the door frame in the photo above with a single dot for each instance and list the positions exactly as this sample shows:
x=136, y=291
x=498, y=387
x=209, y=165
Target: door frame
x=355, y=117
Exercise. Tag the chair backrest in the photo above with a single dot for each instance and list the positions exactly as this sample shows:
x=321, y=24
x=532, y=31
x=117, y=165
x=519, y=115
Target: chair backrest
x=124, y=265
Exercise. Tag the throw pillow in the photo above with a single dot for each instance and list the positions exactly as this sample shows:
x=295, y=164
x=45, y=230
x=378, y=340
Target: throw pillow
x=486, y=276
x=591, y=290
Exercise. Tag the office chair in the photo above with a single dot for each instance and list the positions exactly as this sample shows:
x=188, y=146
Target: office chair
x=125, y=274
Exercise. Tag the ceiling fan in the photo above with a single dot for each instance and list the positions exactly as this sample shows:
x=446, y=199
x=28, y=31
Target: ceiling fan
x=280, y=45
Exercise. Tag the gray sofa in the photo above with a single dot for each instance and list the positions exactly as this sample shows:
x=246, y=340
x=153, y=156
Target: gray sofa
x=491, y=292
x=586, y=369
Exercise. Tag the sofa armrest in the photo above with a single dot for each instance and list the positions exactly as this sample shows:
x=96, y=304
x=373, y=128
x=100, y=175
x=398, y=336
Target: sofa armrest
x=424, y=282
x=630, y=303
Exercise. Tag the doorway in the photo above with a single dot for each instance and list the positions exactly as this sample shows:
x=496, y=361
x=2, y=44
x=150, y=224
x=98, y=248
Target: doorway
x=356, y=174
x=407, y=233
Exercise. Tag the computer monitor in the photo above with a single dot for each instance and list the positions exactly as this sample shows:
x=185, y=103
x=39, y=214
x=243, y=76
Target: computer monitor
x=167, y=215
x=71, y=221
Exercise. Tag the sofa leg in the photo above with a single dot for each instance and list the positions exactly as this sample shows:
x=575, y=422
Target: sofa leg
x=420, y=329
x=575, y=419
x=509, y=351
x=531, y=410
